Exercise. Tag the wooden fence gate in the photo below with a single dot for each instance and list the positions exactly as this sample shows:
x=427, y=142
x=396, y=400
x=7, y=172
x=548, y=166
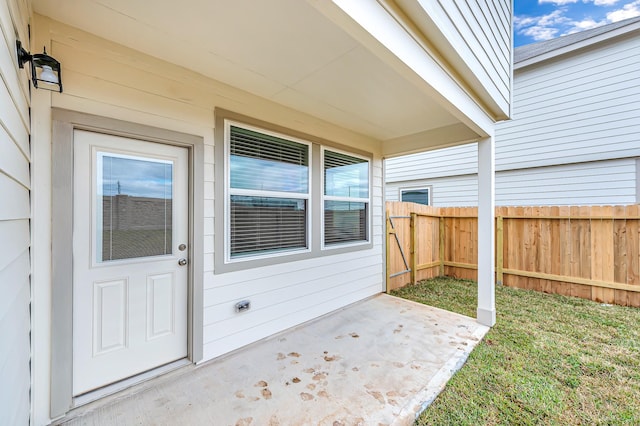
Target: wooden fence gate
x=395, y=251
x=411, y=255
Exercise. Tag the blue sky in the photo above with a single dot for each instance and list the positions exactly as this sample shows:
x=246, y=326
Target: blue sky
x=537, y=20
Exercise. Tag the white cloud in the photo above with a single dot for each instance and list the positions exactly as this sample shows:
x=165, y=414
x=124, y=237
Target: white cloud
x=553, y=18
x=586, y=24
x=539, y=33
x=629, y=10
x=572, y=16
x=557, y=2
x=543, y=27
x=523, y=21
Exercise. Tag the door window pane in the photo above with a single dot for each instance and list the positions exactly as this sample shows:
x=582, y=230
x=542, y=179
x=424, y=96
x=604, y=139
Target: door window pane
x=134, y=207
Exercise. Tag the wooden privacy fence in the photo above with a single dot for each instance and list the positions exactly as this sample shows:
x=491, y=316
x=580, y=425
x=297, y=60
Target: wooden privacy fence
x=591, y=252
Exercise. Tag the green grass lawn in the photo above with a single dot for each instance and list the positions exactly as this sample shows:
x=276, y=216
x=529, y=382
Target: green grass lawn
x=548, y=360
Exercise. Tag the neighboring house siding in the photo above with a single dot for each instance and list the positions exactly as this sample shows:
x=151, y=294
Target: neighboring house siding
x=608, y=182
x=111, y=80
x=574, y=137
x=452, y=191
x=583, y=107
x=595, y=183
x=460, y=160
x=15, y=292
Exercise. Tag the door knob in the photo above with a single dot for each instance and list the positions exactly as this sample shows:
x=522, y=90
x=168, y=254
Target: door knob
x=182, y=262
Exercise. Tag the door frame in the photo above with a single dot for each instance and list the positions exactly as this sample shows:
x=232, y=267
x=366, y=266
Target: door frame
x=64, y=124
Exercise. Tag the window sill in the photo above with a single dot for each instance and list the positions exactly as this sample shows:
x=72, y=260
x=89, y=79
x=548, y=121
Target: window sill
x=237, y=265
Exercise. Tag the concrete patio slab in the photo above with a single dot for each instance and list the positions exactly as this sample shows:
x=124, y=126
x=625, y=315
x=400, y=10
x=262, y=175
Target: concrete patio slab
x=379, y=361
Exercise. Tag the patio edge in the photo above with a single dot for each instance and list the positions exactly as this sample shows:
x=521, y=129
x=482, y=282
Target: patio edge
x=438, y=382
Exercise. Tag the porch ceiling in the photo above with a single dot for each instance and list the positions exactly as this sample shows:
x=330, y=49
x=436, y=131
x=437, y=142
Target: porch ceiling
x=283, y=50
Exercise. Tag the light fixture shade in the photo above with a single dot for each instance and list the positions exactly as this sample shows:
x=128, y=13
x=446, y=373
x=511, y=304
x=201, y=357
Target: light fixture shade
x=48, y=75
x=44, y=68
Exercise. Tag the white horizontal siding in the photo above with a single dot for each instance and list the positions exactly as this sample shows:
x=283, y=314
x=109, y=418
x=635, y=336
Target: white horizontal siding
x=283, y=296
x=14, y=336
x=600, y=183
x=454, y=191
x=610, y=182
x=15, y=291
x=583, y=107
x=459, y=160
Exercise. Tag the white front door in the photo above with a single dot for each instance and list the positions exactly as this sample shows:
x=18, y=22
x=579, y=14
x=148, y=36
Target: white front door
x=130, y=257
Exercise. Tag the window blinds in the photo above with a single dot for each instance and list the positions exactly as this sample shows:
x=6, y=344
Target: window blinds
x=267, y=163
x=260, y=224
x=346, y=198
x=344, y=221
x=252, y=144
x=261, y=219
x=345, y=176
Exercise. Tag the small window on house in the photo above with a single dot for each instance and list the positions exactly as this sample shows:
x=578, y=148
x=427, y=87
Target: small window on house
x=346, y=198
x=268, y=193
x=416, y=195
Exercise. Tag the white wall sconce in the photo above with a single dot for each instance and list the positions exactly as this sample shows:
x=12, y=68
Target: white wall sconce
x=45, y=70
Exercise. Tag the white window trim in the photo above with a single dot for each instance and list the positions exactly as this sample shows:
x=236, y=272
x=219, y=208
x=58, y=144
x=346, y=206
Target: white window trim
x=324, y=198
x=417, y=188
x=228, y=191
x=315, y=235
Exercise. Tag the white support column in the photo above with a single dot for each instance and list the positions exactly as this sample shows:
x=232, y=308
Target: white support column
x=486, y=313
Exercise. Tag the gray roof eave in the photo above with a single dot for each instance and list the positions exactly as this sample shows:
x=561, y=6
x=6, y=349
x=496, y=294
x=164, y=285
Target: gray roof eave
x=537, y=52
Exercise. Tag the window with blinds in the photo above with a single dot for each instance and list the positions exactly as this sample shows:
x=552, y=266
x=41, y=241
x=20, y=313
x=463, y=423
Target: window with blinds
x=268, y=193
x=346, y=198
